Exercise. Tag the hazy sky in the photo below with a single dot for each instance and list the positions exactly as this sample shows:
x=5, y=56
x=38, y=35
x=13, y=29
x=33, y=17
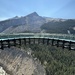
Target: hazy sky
x=49, y=8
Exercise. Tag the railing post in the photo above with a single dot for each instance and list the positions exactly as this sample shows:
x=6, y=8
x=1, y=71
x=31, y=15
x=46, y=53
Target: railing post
x=63, y=44
x=2, y=47
x=38, y=40
x=70, y=45
x=43, y=41
x=8, y=43
x=14, y=42
x=34, y=40
x=29, y=40
x=19, y=41
x=57, y=43
x=25, y=41
x=48, y=41
x=52, y=42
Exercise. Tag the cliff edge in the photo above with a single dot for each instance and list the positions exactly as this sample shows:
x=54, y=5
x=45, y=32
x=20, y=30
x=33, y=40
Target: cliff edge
x=17, y=62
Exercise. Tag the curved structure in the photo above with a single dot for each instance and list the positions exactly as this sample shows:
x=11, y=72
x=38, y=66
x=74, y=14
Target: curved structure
x=59, y=40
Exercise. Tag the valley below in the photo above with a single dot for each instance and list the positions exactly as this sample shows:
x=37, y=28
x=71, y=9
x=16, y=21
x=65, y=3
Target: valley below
x=37, y=60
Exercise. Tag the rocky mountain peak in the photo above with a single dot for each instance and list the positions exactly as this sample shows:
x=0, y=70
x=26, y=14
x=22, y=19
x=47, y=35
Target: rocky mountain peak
x=16, y=17
x=33, y=14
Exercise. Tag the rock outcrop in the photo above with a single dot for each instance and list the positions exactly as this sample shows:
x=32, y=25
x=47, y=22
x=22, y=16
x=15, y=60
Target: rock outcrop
x=17, y=62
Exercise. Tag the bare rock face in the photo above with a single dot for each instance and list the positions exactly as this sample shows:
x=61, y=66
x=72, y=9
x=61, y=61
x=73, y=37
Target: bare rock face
x=31, y=22
x=17, y=62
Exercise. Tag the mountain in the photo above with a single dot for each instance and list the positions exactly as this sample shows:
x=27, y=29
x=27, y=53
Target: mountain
x=35, y=23
x=64, y=27
x=49, y=19
x=31, y=22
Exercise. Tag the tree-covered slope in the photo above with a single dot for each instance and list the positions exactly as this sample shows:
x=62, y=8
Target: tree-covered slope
x=55, y=60
x=60, y=26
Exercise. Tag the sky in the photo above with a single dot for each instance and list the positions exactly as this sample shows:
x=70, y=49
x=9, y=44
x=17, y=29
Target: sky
x=48, y=8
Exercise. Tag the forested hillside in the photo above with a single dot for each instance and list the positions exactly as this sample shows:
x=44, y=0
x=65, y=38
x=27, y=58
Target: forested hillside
x=60, y=27
x=56, y=61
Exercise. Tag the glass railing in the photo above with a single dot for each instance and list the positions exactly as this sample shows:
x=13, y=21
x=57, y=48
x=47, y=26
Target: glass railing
x=38, y=35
